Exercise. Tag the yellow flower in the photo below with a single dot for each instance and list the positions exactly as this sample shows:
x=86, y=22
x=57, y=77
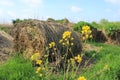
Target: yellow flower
x=38, y=61
x=38, y=69
x=72, y=38
x=45, y=55
x=72, y=61
x=89, y=31
x=67, y=42
x=78, y=58
x=84, y=27
x=87, y=27
x=66, y=34
x=40, y=75
x=86, y=32
x=82, y=32
x=32, y=57
x=52, y=44
x=83, y=38
x=91, y=36
x=72, y=44
x=81, y=78
x=55, y=49
x=61, y=41
x=53, y=53
x=86, y=36
x=35, y=56
x=66, y=39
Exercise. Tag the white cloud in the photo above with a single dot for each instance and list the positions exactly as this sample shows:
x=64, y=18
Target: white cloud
x=6, y=2
x=33, y=3
x=76, y=9
x=117, y=2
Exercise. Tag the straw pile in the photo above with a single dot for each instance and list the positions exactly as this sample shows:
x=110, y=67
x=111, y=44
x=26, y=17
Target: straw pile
x=115, y=36
x=99, y=36
x=6, y=45
x=34, y=35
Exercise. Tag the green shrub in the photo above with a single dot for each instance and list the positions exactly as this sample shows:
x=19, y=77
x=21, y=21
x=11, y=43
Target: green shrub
x=79, y=25
x=4, y=29
x=16, y=21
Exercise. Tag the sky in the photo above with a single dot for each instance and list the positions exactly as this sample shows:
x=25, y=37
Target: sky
x=74, y=10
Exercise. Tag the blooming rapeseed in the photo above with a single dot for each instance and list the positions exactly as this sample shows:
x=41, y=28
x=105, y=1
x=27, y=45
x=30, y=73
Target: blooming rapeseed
x=66, y=39
x=66, y=34
x=86, y=33
x=40, y=75
x=39, y=62
x=52, y=44
x=35, y=56
x=81, y=78
x=78, y=58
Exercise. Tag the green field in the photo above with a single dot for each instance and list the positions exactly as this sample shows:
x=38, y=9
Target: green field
x=17, y=68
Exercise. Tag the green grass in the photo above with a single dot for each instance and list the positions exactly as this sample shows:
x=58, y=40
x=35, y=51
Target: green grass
x=17, y=68
x=109, y=55
x=4, y=29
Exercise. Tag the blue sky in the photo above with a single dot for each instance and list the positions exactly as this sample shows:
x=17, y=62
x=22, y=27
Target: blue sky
x=74, y=10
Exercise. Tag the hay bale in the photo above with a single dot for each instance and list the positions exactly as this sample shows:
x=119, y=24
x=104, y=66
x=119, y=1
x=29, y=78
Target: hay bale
x=6, y=45
x=115, y=36
x=98, y=36
x=34, y=35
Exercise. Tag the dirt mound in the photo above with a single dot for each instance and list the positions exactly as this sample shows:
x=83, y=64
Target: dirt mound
x=98, y=36
x=115, y=36
x=34, y=35
x=6, y=45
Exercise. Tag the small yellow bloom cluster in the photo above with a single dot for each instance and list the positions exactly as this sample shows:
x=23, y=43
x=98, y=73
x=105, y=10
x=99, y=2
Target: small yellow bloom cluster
x=78, y=58
x=66, y=38
x=72, y=61
x=81, y=78
x=35, y=57
x=38, y=62
x=66, y=34
x=86, y=33
x=52, y=44
x=39, y=71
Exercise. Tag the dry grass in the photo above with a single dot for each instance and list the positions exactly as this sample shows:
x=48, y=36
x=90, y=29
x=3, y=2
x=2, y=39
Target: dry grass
x=33, y=36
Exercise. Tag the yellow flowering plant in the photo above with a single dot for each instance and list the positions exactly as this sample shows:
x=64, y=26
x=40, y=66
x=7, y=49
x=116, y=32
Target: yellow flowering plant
x=66, y=39
x=81, y=78
x=35, y=56
x=86, y=33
